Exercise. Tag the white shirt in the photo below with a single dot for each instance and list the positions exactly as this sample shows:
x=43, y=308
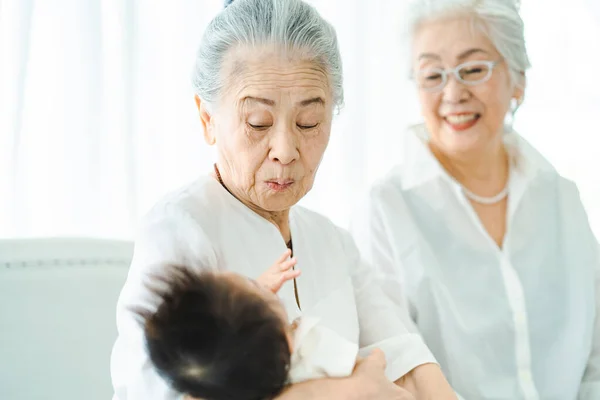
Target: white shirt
x=203, y=226
x=519, y=322
x=320, y=352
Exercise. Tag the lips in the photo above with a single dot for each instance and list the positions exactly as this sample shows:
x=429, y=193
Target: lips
x=280, y=185
x=462, y=121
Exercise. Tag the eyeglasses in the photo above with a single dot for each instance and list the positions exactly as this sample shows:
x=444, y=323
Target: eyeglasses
x=470, y=73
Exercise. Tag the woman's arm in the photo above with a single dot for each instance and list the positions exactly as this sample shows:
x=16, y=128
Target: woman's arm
x=320, y=389
x=427, y=382
x=368, y=381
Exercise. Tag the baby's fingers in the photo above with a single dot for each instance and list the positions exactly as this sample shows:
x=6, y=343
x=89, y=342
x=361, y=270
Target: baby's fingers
x=284, y=256
x=289, y=275
x=283, y=278
x=287, y=264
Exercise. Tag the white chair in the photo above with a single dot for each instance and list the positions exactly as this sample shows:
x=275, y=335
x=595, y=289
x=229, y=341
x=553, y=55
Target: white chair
x=57, y=316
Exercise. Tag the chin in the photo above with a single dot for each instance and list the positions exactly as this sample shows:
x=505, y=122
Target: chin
x=279, y=203
x=464, y=142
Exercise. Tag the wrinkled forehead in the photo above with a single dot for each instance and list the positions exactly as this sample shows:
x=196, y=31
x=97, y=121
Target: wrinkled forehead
x=266, y=72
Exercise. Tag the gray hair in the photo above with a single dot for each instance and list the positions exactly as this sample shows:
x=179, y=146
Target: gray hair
x=498, y=19
x=293, y=25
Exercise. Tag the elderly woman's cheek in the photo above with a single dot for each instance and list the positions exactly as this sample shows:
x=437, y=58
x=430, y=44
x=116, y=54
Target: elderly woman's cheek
x=314, y=148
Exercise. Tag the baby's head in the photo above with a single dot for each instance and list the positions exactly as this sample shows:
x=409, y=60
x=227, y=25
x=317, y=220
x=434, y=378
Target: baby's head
x=218, y=336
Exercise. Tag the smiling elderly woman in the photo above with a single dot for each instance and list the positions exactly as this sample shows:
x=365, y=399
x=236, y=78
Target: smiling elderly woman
x=476, y=233
x=268, y=78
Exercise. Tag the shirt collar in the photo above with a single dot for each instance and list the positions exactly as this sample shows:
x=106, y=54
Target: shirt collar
x=420, y=166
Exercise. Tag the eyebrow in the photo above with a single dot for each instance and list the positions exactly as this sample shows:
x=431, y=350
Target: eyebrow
x=469, y=52
x=461, y=56
x=268, y=102
x=317, y=100
x=258, y=100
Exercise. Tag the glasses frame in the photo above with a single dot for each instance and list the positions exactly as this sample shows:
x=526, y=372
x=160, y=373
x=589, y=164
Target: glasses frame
x=455, y=71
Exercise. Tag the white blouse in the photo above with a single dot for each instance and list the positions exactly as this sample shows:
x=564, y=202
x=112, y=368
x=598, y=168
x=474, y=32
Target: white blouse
x=520, y=322
x=203, y=226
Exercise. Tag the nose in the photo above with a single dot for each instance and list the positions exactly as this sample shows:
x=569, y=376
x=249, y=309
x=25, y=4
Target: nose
x=284, y=147
x=455, y=91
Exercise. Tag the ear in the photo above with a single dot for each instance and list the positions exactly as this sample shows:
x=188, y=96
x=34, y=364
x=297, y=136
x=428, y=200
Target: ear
x=519, y=92
x=206, y=120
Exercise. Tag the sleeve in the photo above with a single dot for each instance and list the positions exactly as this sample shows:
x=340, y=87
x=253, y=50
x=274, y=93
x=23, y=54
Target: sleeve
x=380, y=325
x=590, y=385
x=168, y=236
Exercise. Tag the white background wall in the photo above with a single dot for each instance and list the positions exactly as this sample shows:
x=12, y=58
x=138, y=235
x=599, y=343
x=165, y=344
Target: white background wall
x=97, y=118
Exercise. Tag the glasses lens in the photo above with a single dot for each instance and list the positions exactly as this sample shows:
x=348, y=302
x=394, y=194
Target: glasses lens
x=474, y=73
x=430, y=78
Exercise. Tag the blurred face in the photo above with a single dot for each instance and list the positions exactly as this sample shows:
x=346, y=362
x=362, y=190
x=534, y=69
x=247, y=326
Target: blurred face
x=462, y=118
x=271, y=127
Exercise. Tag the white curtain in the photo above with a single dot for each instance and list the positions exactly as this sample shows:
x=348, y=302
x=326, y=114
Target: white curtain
x=97, y=118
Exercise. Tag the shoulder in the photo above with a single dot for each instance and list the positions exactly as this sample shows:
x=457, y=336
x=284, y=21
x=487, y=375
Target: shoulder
x=571, y=206
x=197, y=200
x=549, y=185
x=391, y=185
x=200, y=205
x=179, y=224
x=385, y=198
x=535, y=165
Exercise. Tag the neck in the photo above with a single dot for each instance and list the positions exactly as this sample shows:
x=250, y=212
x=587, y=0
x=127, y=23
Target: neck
x=281, y=219
x=278, y=218
x=483, y=172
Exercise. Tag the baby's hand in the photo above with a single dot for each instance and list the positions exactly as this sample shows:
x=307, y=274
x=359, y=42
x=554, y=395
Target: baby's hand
x=279, y=273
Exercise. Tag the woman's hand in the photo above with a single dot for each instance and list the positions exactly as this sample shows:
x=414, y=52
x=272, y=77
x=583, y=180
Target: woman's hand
x=368, y=381
x=279, y=273
x=428, y=382
x=371, y=382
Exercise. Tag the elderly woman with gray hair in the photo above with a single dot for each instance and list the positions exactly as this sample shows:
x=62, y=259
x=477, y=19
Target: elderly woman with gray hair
x=268, y=78
x=475, y=233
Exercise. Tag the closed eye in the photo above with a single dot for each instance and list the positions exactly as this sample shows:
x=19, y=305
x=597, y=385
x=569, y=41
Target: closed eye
x=475, y=70
x=307, y=126
x=433, y=77
x=259, y=127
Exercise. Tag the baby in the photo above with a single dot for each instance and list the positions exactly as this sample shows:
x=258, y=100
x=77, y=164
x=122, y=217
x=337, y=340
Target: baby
x=222, y=336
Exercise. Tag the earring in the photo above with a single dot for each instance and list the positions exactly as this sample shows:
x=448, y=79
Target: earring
x=515, y=103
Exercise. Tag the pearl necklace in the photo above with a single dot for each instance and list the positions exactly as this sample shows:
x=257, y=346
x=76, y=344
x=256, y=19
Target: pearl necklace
x=486, y=200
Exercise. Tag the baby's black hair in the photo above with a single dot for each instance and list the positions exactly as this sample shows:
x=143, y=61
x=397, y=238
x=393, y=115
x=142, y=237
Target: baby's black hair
x=213, y=340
